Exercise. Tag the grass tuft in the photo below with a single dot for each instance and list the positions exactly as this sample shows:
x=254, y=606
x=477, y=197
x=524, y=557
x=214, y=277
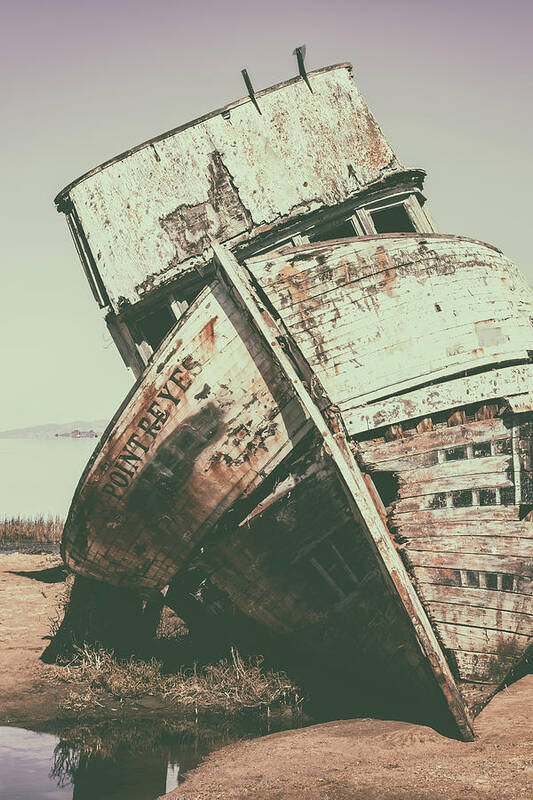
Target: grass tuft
x=231, y=685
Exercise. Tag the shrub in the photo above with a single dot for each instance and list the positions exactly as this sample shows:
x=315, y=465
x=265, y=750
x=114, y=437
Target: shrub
x=231, y=685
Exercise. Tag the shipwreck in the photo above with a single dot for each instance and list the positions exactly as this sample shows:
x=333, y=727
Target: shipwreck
x=332, y=420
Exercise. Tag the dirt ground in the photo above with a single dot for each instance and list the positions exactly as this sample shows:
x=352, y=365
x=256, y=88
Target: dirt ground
x=32, y=693
x=30, y=589
x=360, y=758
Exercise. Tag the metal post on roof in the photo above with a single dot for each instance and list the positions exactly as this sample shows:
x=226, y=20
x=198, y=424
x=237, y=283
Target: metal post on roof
x=299, y=52
x=249, y=87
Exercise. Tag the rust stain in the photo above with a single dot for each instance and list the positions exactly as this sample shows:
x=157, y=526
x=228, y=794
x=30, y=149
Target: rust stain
x=208, y=331
x=206, y=338
x=291, y=277
x=389, y=272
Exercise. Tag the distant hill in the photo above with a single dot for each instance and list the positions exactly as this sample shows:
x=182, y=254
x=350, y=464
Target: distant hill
x=79, y=429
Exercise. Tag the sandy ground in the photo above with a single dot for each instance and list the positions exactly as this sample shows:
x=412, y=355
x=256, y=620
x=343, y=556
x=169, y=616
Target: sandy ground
x=374, y=759
x=361, y=758
x=27, y=604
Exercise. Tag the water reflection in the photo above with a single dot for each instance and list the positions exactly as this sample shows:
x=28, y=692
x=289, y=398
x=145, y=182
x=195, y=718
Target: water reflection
x=136, y=776
x=115, y=760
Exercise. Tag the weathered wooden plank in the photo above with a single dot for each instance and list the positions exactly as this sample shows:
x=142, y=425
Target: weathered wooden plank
x=422, y=351
x=476, y=562
x=493, y=545
x=310, y=323
x=344, y=379
x=456, y=483
x=477, y=695
x=420, y=503
x=409, y=462
x=521, y=403
x=372, y=293
x=376, y=453
x=426, y=351
x=489, y=529
x=385, y=263
x=357, y=492
x=481, y=640
x=458, y=467
x=482, y=667
x=328, y=323
x=489, y=618
x=417, y=504
x=374, y=303
x=380, y=318
x=343, y=382
x=482, y=598
x=448, y=576
x=450, y=515
x=496, y=383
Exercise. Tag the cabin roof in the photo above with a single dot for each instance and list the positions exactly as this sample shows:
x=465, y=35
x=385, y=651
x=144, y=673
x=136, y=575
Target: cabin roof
x=146, y=218
x=173, y=131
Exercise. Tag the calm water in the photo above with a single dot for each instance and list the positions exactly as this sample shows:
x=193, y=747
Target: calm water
x=38, y=476
x=124, y=762
x=39, y=766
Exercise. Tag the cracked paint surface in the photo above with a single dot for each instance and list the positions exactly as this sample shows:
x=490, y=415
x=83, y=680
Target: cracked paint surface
x=148, y=216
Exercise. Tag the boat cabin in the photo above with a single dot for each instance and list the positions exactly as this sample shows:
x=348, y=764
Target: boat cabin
x=300, y=162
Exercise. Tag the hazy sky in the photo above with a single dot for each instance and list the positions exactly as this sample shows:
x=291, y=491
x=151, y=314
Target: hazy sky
x=449, y=81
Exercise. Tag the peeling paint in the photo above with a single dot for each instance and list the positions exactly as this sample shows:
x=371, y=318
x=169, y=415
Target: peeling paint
x=150, y=213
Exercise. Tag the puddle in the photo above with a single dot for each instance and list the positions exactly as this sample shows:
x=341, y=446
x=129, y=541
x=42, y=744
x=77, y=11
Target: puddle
x=121, y=761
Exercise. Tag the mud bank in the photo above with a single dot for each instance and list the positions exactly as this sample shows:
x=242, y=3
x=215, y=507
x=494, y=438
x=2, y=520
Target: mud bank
x=373, y=759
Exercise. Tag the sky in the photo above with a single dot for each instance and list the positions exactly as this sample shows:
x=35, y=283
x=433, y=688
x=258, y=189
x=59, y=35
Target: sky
x=449, y=81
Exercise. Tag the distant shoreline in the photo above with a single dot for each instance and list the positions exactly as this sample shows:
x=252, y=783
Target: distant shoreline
x=78, y=429
x=76, y=434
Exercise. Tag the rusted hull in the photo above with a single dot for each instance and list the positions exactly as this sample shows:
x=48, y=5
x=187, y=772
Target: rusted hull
x=302, y=567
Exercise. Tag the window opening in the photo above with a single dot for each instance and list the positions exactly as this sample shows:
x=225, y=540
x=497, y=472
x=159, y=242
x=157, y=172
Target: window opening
x=491, y=580
x=393, y=219
x=155, y=326
x=342, y=229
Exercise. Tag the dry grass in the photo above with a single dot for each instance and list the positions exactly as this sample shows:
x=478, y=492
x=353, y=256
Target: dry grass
x=31, y=529
x=231, y=685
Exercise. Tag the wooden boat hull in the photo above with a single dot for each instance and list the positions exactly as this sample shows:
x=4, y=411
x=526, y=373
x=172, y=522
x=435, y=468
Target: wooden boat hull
x=230, y=473
x=434, y=385
x=210, y=419
x=462, y=518
x=302, y=567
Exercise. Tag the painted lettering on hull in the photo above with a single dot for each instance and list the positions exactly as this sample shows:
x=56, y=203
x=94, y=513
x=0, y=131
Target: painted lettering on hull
x=149, y=426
